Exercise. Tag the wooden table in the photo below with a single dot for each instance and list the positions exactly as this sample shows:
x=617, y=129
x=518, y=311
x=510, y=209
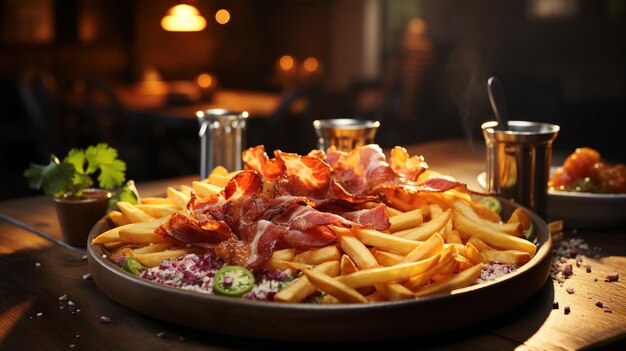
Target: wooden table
x=36, y=273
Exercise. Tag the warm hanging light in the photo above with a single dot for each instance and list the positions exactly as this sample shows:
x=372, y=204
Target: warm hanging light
x=183, y=18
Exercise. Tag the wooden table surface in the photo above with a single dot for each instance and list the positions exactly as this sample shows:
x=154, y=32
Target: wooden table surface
x=36, y=272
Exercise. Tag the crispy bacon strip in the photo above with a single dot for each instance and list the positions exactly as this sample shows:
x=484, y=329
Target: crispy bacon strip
x=402, y=164
x=314, y=237
x=304, y=175
x=245, y=183
x=375, y=218
x=256, y=159
x=185, y=230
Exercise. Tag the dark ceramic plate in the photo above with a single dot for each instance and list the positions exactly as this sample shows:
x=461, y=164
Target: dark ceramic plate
x=325, y=323
x=582, y=210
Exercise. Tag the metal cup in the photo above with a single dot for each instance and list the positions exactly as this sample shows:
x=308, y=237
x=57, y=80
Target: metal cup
x=518, y=161
x=222, y=139
x=344, y=134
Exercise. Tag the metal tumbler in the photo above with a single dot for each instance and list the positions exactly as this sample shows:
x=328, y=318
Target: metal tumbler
x=222, y=139
x=518, y=162
x=344, y=133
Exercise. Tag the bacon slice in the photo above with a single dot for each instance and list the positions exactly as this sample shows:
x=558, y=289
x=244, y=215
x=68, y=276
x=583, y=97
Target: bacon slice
x=363, y=169
x=304, y=175
x=245, y=183
x=183, y=229
x=314, y=237
x=299, y=217
x=408, y=167
x=255, y=158
x=261, y=239
x=375, y=218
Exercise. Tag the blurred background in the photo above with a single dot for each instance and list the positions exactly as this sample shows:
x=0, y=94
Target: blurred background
x=132, y=73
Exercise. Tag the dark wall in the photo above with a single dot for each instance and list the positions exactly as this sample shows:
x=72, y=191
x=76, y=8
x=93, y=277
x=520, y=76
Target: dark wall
x=568, y=69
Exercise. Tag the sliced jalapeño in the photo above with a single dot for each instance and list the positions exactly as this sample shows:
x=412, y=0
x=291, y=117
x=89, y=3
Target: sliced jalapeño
x=233, y=281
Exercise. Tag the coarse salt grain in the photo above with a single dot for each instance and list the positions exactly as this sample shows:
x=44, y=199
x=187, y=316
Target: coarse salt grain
x=63, y=297
x=105, y=319
x=570, y=290
x=86, y=276
x=37, y=264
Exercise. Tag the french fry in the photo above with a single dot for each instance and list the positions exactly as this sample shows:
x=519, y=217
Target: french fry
x=406, y=220
x=302, y=287
x=454, y=238
x=178, y=197
x=110, y=236
x=473, y=255
x=373, y=276
x=485, y=212
x=346, y=265
x=118, y=218
x=317, y=256
x=186, y=189
x=427, y=249
x=385, y=241
x=151, y=248
x=327, y=284
x=206, y=189
x=154, y=259
x=386, y=258
x=513, y=228
x=364, y=260
x=218, y=180
x=458, y=281
x=555, y=227
x=520, y=216
x=392, y=212
x=446, y=260
x=132, y=213
x=435, y=210
x=157, y=200
x=515, y=257
x=157, y=210
x=462, y=263
x=479, y=244
x=427, y=229
x=355, y=249
x=492, y=236
x=114, y=245
x=219, y=170
x=143, y=233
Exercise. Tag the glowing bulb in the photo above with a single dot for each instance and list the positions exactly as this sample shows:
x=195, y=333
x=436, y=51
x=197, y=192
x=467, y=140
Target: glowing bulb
x=286, y=62
x=222, y=16
x=205, y=80
x=310, y=64
x=183, y=18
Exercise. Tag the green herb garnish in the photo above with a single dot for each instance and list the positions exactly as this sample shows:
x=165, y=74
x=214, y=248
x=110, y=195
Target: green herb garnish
x=78, y=171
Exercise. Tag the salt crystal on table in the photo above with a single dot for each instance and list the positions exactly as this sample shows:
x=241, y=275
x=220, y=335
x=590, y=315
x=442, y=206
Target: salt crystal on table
x=105, y=319
x=63, y=298
x=37, y=264
x=570, y=290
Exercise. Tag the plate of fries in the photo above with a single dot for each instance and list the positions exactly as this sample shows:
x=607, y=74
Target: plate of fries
x=409, y=280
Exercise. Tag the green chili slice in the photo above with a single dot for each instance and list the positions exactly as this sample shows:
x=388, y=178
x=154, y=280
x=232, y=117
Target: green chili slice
x=132, y=265
x=233, y=281
x=492, y=203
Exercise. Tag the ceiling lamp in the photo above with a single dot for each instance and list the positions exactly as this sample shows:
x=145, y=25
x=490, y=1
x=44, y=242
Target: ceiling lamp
x=183, y=18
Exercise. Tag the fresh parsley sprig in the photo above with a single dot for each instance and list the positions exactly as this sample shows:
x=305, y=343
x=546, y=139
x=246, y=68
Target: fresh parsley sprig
x=78, y=171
